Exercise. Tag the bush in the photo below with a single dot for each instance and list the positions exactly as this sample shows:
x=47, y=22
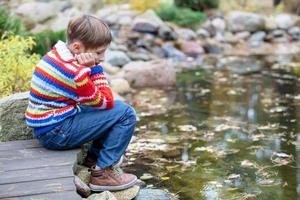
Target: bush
x=143, y=5
x=198, y=5
x=16, y=64
x=181, y=16
x=10, y=24
x=45, y=40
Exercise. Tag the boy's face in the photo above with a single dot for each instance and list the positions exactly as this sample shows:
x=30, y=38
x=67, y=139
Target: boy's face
x=78, y=48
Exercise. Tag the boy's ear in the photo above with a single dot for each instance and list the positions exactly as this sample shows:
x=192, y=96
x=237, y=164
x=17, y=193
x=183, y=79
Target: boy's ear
x=76, y=47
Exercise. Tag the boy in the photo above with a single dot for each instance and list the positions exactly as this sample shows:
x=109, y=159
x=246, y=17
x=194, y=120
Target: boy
x=71, y=104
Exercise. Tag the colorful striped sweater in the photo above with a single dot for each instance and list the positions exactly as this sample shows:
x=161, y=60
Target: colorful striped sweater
x=59, y=84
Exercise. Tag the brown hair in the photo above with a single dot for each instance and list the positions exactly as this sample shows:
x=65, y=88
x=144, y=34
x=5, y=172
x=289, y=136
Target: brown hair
x=90, y=31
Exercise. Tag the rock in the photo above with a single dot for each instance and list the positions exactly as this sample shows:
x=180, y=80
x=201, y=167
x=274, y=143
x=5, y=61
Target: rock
x=191, y=48
x=120, y=85
x=154, y=194
x=285, y=21
x=167, y=33
x=37, y=12
x=108, y=68
x=270, y=23
x=278, y=33
x=158, y=51
x=257, y=38
x=141, y=183
x=186, y=34
x=85, y=7
x=102, y=196
x=243, y=35
x=244, y=21
x=212, y=48
x=83, y=173
x=127, y=194
x=12, y=118
x=219, y=25
x=82, y=188
x=147, y=22
x=240, y=65
x=154, y=73
x=138, y=56
x=203, y=33
x=116, y=58
x=294, y=32
x=62, y=19
x=117, y=96
x=173, y=53
x=146, y=176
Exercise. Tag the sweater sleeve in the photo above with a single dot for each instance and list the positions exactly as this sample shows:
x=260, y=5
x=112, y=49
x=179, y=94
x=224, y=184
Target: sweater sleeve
x=92, y=88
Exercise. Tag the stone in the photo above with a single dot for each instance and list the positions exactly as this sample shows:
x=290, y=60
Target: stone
x=138, y=56
x=116, y=58
x=219, y=25
x=212, y=48
x=12, y=118
x=240, y=65
x=147, y=22
x=191, y=48
x=285, y=21
x=120, y=85
x=294, y=32
x=167, y=33
x=102, y=196
x=245, y=21
x=278, y=33
x=173, y=53
x=186, y=34
x=257, y=38
x=244, y=35
x=81, y=187
x=108, y=68
x=127, y=194
x=203, y=33
x=154, y=194
x=37, y=12
x=62, y=19
x=83, y=173
x=85, y=7
x=270, y=23
x=156, y=73
x=158, y=51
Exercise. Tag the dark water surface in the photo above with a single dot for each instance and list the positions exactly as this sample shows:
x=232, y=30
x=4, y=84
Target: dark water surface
x=227, y=137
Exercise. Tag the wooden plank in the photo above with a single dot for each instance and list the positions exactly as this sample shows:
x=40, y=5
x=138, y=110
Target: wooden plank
x=37, y=187
x=36, y=174
x=6, y=155
x=66, y=158
x=68, y=195
x=19, y=144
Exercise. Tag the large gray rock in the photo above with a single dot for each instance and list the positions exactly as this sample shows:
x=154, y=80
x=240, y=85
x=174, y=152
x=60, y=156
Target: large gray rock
x=154, y=73
x=120, y=85
x=154, y=194
x=102, y=196
x=37, y=12
x=244, y=21
x=285, y=21
x=147, y=22
x=171, y=52
x=12, y=118
x=191, y=48
x=240, y=65
x=116, y=58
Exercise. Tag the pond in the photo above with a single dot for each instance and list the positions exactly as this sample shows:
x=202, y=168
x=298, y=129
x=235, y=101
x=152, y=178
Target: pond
x=220, y=135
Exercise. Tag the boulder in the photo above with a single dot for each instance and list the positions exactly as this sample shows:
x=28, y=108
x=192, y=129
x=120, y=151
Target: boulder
x=127, y=194
x=116, y=58
x=285, y=21
x=155, y=73
x=102, y=196
x=186, y=34
x=154, y=194
x=171, y=52
x=12, y=118
x=167, y=33
x=37, y=12
x=147, y=22
x=191, y=48
x=120, y=85
x=244, y=21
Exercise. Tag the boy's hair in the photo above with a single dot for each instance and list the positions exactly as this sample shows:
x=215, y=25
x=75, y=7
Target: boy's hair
x=90, y=31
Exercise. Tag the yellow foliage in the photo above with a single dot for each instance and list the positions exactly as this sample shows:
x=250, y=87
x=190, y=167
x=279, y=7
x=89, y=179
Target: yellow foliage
x=16, y=64
x=142, y=5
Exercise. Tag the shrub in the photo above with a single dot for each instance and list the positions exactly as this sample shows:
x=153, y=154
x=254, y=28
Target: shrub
x=10, y=24
x=16, y=64
x=45, y=40
x=143, y=5
x=181, y=16
x=198, y=5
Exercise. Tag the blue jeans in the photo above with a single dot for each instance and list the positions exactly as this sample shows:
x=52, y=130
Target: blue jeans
x=109, y=130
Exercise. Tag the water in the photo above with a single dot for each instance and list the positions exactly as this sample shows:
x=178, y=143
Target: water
x=226, y=136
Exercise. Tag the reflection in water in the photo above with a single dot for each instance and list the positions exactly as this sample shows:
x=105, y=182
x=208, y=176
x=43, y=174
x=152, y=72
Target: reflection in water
x=247, y=140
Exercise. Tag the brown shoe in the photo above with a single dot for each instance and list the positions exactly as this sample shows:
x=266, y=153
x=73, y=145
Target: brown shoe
x=110, y=179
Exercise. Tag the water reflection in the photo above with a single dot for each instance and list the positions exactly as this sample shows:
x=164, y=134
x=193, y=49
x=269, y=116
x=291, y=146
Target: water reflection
x=246, y=143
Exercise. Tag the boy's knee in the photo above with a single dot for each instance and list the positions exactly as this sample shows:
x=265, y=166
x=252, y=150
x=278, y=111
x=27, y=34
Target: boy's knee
x=128, y=110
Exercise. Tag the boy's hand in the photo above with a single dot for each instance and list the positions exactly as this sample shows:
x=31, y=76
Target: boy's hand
x=86, y=59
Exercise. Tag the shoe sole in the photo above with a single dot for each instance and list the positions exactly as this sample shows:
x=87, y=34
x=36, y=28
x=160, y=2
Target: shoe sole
x=98, y=188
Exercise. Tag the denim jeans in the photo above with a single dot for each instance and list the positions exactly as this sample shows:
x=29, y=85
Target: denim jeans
x=109, y=130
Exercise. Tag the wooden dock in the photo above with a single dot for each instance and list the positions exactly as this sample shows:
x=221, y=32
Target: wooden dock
x=29, y=171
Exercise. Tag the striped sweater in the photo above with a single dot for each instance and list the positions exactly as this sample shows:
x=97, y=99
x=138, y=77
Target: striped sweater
x=59, y=84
